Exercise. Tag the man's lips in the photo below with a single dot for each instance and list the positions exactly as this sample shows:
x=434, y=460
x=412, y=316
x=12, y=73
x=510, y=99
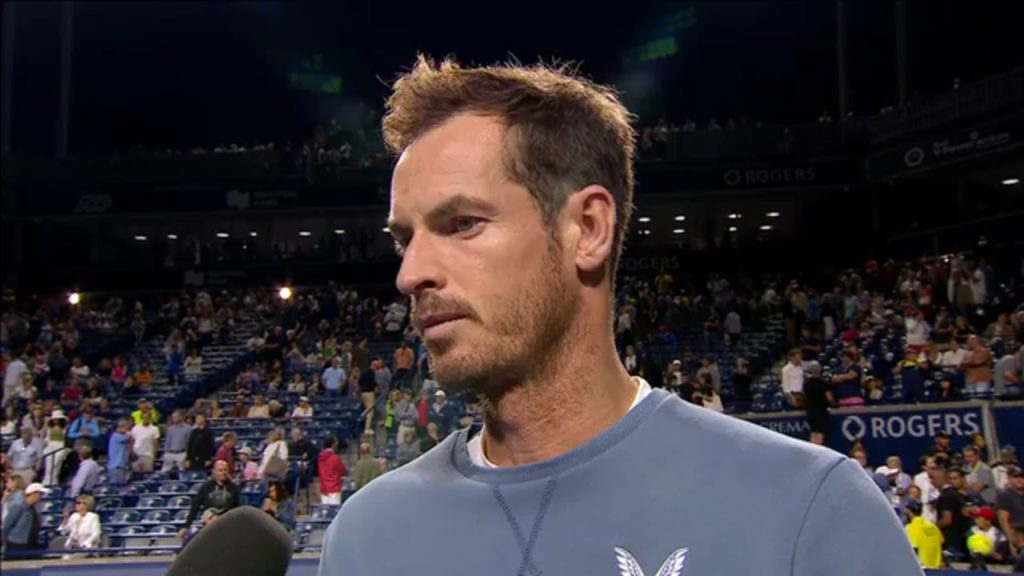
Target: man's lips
x=423, y=322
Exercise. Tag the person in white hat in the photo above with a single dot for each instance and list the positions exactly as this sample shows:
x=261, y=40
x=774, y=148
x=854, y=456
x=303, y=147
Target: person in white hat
x=303, y=410
x=21, y=522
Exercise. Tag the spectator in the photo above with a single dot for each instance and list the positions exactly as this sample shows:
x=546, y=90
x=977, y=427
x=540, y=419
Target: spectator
x=978, y=365
x=9, y=421
x=979, y=476
x=176, y=443
x=118, y=372
x=88, y=472
x=79, y=368
x=403, y=361
x=918, y=331
x=81, y=528
x=279, y=504
x=274, y=464
x=302, y=449
x=145, y=441
x=432, y=438
x=846, y=385
x=793, y=379
x=817, y=397
x=21, y=522
x=16, y=367
x=297, y=385
x=200, y=448
x=367, y=468
x=250, y=469
x=1007, y=460
x=218, y=495
x=408, y=448
x=303, y=410
x=331, y=470
x=239, y=409
x=54, y=450
x=1010, y=511
x=925, y=537
x=258, y=408
x=25, y=455
x=143, y=377
x=72, y=393
x=117, y=453
x=710, y=368
x=194, y=363
x=442, y=413
x=406, y=414
x=145, y=407
x=368, y=394
x=226, y=452
x=949, y=511
x=333, y=377
x=984, y=527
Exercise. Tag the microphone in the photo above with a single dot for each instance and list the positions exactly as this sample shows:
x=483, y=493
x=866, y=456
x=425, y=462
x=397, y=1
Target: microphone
x=244, y=541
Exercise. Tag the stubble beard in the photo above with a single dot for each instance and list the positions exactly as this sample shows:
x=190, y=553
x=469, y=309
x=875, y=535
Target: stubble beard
x=523, y=338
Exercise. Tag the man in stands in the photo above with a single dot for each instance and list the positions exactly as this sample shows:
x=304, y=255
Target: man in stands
x=817, y=399
x=226, y=452
x=85, y=427
x=949, y=512
x=978, y=365
x=25, y=455
x=1010, y=513
x=21, y=522
x=333, y=377
x=331, y=470
x=925, y=537
x=117, y=453
x=144, y=445
x=509, y=205
x=87, y=475
x=199, y=452
x=793, y=379
x=218, y=495
x=176, y=443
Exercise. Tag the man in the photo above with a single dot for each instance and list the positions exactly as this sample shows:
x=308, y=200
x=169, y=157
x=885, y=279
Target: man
x=25, y=454
x=817, y=399
x=333, y=377
x=199, y=452
x=367, y=468
x=302, y=448
x=16, y=367
x=979, y=476
x=950, y=511
x=441, y=413
x=1010, y=510
x=176, y=443
x=85, y=427
x=509, y=204
x=21, y=518
x=146, y=407
x=117, y=453
x=368, y=394
x=331, y=470
x=925, y=537
x=941, y=451
x=145, y=442
x=403, y=361
x=218, y=495
x=88, y=472
x=793, y=379
x=226, y=452
x=978, y=365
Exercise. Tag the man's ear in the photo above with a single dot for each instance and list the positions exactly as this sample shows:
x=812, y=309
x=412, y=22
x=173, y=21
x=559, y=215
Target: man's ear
x=592, y=210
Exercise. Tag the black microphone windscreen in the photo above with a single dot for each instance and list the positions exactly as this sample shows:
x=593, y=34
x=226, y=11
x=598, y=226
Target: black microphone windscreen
x=244, y=541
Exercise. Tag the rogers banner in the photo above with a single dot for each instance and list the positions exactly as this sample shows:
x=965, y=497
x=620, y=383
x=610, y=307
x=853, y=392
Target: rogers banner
x=906, y=431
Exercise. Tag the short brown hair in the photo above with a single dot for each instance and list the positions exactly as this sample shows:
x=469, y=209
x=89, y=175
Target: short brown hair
x=564, y=131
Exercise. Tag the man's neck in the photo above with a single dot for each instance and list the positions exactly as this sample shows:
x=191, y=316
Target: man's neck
x=559, y=409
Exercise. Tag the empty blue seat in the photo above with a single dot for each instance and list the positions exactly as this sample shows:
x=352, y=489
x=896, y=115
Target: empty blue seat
x=125, y=517
x=151, y=502
x=156, y=517
x=127, y=530
x=107, y=503
x=179, y=502
x=180, y=516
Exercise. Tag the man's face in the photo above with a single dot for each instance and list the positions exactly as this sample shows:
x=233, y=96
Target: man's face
x=296, y=434
x=970, y=456
x=146, y=419
x=491, y=291
x=220, y=471
x=956, y=480
x=1017, y=483
x=942, y=442
x=176, y=417
x=26, y=436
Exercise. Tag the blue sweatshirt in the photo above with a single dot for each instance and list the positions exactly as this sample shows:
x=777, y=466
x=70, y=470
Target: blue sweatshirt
x=670, y=486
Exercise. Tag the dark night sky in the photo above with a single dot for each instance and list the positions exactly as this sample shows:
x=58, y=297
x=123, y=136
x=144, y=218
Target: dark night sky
x=183, y=74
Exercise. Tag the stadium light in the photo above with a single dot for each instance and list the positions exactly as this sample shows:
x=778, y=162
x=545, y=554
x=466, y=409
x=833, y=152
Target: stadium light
x=766, y=227
x=644, y=219
x=645, y=232
x=305, y=233
x=1011, y=181
x=773, y=214
x=680, y=218
x=339, y=231
x=733, y=228
x=74, y=298
x=253, y=234
x=735, y=216
x=386, y=229
x=285, y=293
x=172, y=236
x=679, y=231
x=141, y=238
x=222, y=234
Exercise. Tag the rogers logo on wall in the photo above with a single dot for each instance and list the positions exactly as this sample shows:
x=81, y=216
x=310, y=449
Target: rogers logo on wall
x=764, y=176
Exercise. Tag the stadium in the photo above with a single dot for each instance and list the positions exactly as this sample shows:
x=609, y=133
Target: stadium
x=204, y=309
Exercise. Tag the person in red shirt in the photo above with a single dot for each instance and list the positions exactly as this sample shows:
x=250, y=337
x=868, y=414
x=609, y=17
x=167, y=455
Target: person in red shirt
x=72, y=393
x=331, y=470
x=422, y=408
x=226, y=452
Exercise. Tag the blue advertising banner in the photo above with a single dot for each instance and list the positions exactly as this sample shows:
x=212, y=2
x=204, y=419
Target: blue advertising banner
x=1009, y=417
x=907, y=431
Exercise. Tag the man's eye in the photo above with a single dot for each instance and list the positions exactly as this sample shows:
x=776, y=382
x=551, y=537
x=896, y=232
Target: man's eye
x=465, y=224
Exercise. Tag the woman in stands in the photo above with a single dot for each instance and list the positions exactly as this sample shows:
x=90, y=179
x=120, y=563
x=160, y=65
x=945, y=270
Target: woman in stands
x=82, y=527
x=118, y=372
x=274, y=464
x=279, y=504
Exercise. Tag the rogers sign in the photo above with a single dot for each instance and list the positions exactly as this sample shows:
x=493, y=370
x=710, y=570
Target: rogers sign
x=768, y=176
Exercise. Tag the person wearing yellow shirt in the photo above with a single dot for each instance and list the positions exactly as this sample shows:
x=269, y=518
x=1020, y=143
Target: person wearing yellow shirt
x=925, y=537
x=146, y=406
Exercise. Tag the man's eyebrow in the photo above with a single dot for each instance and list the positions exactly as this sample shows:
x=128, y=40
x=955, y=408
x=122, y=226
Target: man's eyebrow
x=443, y=211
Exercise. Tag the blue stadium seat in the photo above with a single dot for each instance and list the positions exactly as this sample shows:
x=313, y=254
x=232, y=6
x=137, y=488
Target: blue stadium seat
x=180, y=516
x=156, y=517
x=125, y=517
x=173, y=488
x=108, y=503
x=129, y=530
x=179, y=502
x=152, y=502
